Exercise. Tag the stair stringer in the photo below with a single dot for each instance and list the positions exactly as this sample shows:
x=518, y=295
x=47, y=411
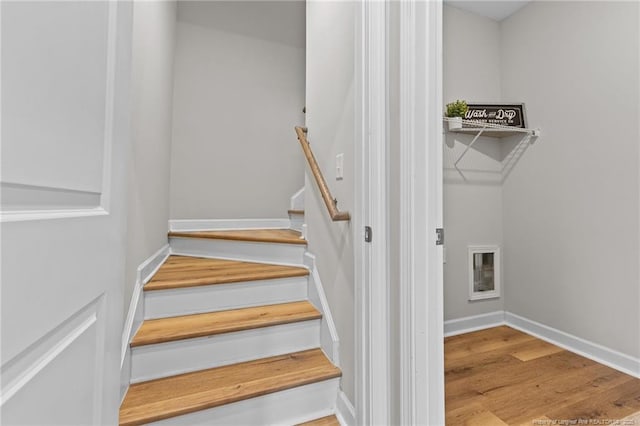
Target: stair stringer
x=135, y=315
x=329, y=340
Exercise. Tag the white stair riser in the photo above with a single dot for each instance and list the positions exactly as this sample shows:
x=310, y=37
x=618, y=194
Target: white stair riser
x=219, y=297
x=285, y=254
x=172, y=358
x=280, y=408
x=297, y=220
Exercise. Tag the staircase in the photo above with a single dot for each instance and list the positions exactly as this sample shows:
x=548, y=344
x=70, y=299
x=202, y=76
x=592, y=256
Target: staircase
x=230, y=336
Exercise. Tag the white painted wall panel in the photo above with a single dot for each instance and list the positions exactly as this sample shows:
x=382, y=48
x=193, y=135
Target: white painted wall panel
x=61, y=91
x=54, y=81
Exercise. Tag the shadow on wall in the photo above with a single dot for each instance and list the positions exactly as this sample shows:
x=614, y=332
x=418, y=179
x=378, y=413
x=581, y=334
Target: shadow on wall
x=494, y=159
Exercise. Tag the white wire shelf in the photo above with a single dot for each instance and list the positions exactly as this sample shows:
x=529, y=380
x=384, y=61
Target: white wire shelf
x=491, y=130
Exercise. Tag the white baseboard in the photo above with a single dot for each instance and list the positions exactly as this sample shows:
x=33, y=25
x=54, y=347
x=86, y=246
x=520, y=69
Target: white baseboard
x=226, y=224
x=345, y=412
x=135, y=315
x=609, y=357
x=587, y=349
x=473, y=323
x=329, y=339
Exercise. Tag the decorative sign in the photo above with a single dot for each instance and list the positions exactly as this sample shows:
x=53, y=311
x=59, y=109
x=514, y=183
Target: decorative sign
x=511, y=115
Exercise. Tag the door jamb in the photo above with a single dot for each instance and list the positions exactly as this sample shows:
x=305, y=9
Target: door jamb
x=371, y=258
x=421, y=268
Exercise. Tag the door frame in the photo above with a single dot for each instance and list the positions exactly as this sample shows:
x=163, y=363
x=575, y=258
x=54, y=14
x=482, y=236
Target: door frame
x=421, y=381
x=371, y=258
x=421, y=212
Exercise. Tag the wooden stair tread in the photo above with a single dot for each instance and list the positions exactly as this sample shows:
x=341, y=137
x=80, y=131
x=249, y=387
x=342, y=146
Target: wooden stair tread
x=284, y=236
x=186, y=393
x=207, y=324
x=295, y=211
x=323, y=421
x=186, y=271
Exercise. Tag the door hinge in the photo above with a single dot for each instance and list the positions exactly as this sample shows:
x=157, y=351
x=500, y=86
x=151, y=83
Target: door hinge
x=439, y=236
x=367, y=234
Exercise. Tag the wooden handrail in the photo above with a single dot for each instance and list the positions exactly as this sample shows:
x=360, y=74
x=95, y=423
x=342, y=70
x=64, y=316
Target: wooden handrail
x=329, y=201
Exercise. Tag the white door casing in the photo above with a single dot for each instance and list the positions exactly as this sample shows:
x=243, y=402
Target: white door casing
x=371, y=258
x=421, y=269
x=65, y=131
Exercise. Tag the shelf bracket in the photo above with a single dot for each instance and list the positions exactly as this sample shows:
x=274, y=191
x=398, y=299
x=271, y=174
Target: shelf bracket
x=528, y=136
x=455, y=163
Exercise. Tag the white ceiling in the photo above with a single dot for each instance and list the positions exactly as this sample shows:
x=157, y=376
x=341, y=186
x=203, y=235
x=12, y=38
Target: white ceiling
x=497, y=10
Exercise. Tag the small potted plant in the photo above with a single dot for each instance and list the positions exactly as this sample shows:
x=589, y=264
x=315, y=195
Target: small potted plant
x=455, y=112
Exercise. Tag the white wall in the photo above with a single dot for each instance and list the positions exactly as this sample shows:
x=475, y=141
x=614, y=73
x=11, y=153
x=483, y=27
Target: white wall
x=239, y=92
x=571, y=203
x=331, y=123
x=152, y=93
x=473, y=203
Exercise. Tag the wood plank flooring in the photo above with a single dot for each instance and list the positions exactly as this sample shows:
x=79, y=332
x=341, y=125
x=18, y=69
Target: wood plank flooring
x=286, y=236
x=171, y=396
x=186, y=271
x=501, y=376
x=208, y=324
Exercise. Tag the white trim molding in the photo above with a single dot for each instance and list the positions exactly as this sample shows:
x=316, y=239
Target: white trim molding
x=135, y=315
x=329, y=340
x=345, y=412
x=371, y=258
x=594, y=351
x=421, y=260
x=19, y=371
x=473, y=250
x=578, y=345
x=473, y=323
x=24, y=215
x=185, y=225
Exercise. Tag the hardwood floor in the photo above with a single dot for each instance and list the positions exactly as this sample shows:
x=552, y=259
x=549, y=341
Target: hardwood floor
x=501, y=376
